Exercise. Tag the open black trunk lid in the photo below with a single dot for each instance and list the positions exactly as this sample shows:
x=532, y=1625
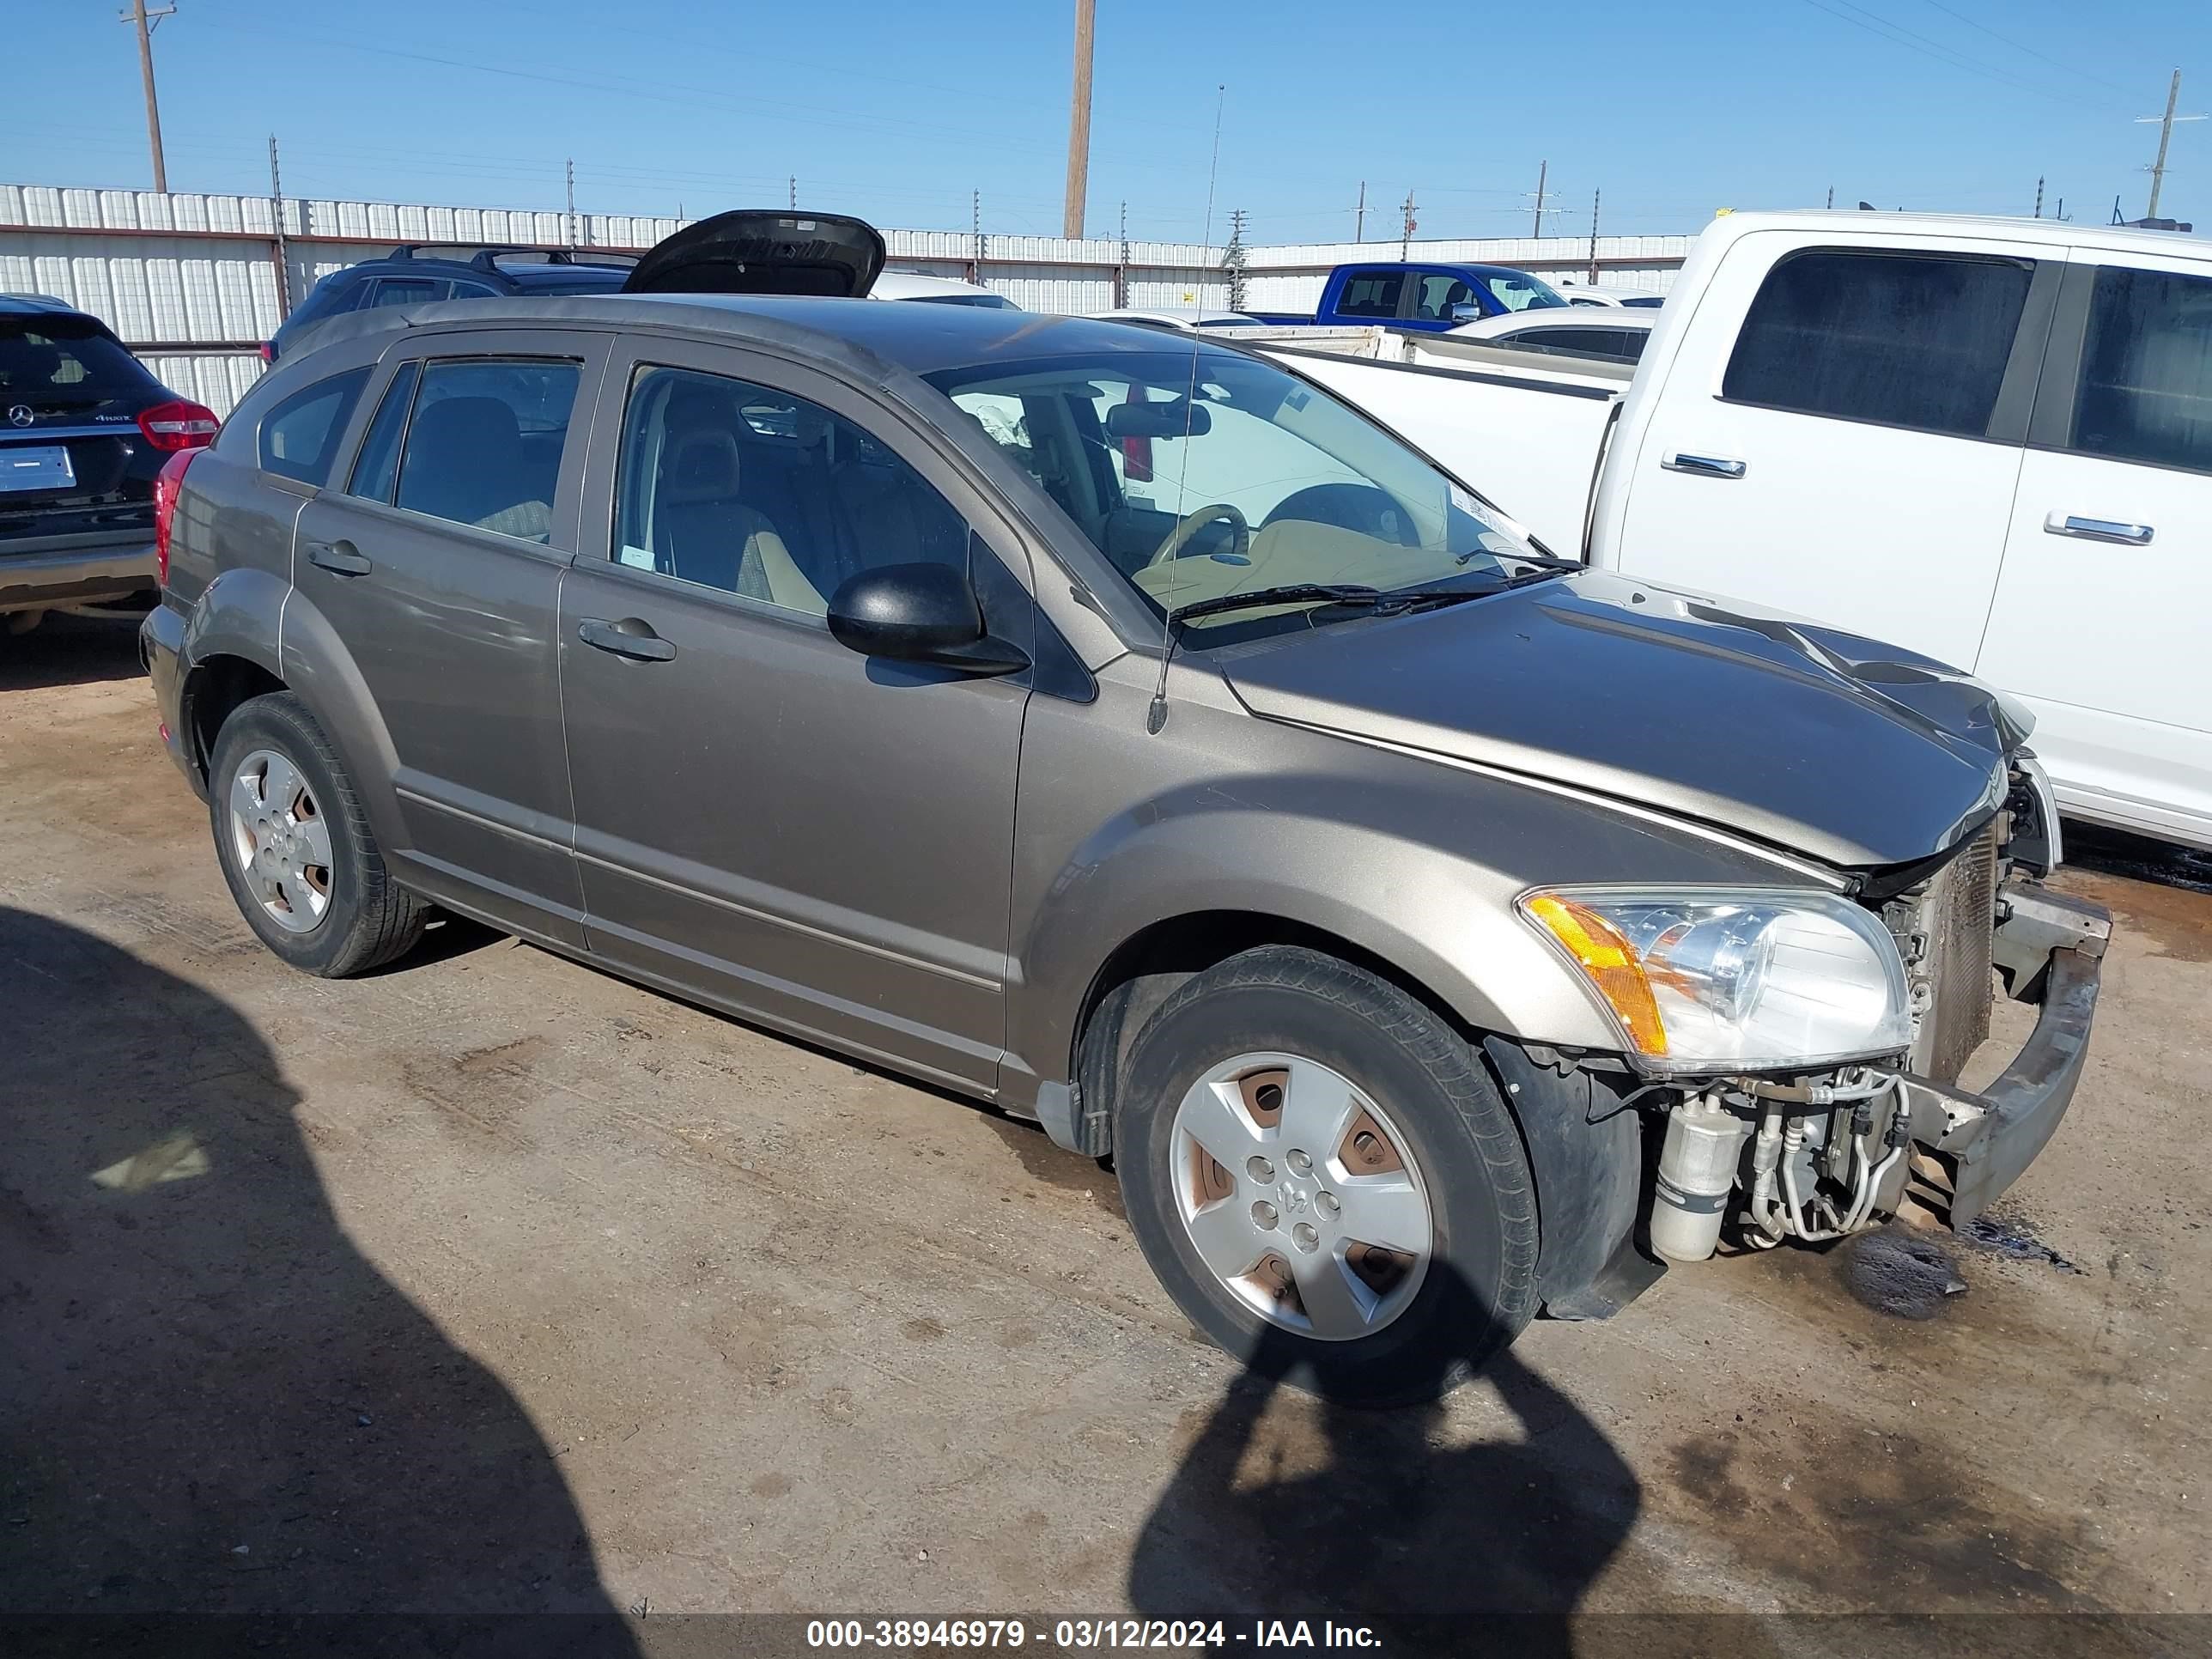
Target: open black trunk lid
x=750, y=251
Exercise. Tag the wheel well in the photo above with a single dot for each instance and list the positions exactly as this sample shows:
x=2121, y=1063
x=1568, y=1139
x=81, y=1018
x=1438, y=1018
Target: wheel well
x=216, y=687
x=1144, y=970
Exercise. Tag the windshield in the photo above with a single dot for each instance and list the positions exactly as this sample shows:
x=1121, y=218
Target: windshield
x=1275, y=482
x=1516, y=290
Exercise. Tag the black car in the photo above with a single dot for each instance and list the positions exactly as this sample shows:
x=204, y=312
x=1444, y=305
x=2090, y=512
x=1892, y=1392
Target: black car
x=416, y=273
x=84, y=433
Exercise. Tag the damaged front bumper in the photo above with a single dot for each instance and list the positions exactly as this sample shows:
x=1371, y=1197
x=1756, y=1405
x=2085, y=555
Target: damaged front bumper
x=2051, y=948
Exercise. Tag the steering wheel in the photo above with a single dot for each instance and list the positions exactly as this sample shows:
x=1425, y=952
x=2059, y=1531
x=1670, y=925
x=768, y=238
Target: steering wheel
x=1191, y=523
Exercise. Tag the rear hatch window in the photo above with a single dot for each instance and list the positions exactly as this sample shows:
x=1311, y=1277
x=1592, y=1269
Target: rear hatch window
x=62, y=367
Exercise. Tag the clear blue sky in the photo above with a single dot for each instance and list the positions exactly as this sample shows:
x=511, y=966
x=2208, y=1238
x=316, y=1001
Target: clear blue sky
x=897, y=112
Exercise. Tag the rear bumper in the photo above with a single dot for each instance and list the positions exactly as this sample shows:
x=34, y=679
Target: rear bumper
x=2053, y=948
x=75, y=570
x=161, y=649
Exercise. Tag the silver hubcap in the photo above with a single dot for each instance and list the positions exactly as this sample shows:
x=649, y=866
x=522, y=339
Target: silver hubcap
x=281, y=842
x=1301, y=1196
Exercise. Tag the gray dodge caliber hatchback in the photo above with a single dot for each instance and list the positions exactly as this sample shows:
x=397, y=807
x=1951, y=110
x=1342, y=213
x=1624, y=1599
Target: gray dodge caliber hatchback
x=1128, y=732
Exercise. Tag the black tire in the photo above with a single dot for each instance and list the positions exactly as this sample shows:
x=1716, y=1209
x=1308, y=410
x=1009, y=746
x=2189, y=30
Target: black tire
x=1479, y=1291
x=371, y=919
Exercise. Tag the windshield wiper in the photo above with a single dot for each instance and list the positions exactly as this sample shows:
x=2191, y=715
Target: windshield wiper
x=1355, y=594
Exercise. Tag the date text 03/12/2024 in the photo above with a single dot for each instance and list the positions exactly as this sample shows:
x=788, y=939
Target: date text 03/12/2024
x=1077, y=1635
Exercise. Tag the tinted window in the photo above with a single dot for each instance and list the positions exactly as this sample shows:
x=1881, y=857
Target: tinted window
x=766, y=495
x=300, y=436
x=1437, y=292
x=59, y=364
x=466, y=290
x=377, y=466
x=1917, y=340
x=404, y=291
x=2146, y=386
x=483, y=446
x=1370, y=294
x=1516, y=290
x=1614, y=344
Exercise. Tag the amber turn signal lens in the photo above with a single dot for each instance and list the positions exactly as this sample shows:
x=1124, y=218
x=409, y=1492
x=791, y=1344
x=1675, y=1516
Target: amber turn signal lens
x=1609, y=962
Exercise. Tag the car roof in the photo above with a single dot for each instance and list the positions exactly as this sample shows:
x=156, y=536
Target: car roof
x=36, y=305
x=859, y=334
x=2042, y=233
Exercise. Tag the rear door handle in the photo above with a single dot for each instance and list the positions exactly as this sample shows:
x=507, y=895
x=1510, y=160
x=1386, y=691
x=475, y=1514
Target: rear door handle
x=339, y=557
x=1703, y=466
x=642, y=644
x=2099, y=529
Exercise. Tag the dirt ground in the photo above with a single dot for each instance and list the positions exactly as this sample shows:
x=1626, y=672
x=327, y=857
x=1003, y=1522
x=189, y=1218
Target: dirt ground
x=493, y=1284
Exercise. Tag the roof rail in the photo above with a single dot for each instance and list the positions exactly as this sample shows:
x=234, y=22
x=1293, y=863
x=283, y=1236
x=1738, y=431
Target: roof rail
x=487, y=257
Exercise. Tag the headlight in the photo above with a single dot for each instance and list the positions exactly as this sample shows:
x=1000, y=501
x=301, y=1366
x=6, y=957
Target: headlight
x=1732, y=979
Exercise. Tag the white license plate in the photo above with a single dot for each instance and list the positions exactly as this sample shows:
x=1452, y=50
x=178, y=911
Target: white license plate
x=45, y=467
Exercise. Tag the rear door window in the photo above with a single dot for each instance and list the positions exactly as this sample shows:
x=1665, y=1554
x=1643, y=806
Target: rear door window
x=2145, y=391
x=1370, y=294
x=376, y=469
x=298, y=438
x=1917, y=340
x=483, y=446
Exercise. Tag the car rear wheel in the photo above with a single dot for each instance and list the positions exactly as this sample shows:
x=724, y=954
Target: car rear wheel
x=1324, y=1178
x=295, y=845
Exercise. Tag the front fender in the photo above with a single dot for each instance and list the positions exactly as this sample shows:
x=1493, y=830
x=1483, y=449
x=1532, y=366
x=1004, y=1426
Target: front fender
x=1308, y=851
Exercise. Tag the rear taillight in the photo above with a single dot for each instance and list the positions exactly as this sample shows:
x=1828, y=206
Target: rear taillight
x=168, y=485
x=179, y=425
x=269, y=351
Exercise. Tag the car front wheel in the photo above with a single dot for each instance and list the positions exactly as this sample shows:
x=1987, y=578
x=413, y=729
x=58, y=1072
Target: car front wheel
x=296, y=848
x=1324, y=1178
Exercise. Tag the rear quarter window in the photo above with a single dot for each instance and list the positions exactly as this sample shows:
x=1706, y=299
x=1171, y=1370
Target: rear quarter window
x=298, y=438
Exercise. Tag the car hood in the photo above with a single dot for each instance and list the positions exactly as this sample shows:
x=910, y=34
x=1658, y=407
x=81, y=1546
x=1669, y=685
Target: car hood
x=758, y=252
x=1835, y=746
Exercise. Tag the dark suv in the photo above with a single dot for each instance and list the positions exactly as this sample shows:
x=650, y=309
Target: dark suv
x=84, y=432
x=417, y=273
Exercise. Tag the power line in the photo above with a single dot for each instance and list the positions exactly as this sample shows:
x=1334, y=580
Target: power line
x=1882, y=27
x=2055, y=62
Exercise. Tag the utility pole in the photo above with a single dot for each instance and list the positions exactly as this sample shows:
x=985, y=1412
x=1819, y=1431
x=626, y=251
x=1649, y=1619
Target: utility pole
x=1832, y=195
x=2157, y=168
x=148, y=22
x=283, y=251
x=1079, y=125
x=1359, y=216
x=976, y=231
x=569, y=224
x=1405, y=237
x=2039, y=196
x=1543, y=170
x=794, y=192
x=1595, y=196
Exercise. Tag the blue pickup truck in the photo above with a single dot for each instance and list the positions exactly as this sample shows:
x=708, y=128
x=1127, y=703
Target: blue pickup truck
x=1427, y=299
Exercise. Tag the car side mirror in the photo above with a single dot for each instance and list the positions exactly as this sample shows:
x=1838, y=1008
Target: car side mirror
x=926, y=613
x=1464, y=313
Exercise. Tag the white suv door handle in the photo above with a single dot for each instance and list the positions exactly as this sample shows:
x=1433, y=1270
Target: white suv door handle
x=1703, y=466
x=2097, y=529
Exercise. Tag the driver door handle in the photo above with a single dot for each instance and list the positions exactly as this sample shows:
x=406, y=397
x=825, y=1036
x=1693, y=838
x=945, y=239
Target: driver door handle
x=630, y=637
x=342, y=558
x=2099, y=529
x=1703, y=466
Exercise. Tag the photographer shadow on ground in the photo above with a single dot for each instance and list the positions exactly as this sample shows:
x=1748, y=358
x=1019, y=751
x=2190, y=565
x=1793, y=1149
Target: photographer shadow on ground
x=1290, y=1507
x=211, y=1403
